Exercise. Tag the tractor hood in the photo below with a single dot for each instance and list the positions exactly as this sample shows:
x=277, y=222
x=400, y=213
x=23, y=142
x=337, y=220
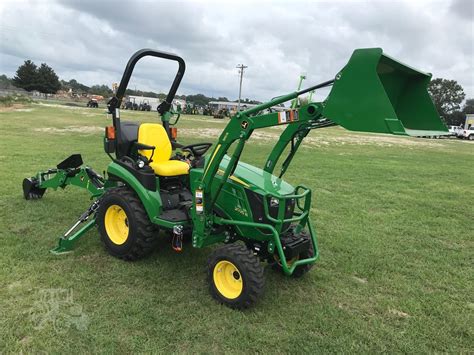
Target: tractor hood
x=256, y=179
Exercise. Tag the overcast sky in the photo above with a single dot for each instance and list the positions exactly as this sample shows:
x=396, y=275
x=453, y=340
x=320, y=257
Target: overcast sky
x=91, y=41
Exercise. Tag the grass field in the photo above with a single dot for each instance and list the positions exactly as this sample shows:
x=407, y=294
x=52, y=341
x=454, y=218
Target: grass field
x=395, y=219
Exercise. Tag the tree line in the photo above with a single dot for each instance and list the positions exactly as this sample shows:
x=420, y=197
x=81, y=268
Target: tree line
x=447, y=95
x=43, y=78
x=31, y=77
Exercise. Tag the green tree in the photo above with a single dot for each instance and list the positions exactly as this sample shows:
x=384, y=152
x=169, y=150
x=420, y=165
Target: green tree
x=26, y=76
x=74, y=86
x=447, y=96
x=48, y=81
x=5, y=82
x=199, y=99
x=102, y=90
x=468, y=106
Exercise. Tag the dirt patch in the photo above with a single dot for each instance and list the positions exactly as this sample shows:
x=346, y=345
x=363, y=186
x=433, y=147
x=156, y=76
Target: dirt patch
x=86, y=130
x=379, y=140
x=360, y=280
x=201, y=132
x=65, y=107
x=323, y=140
x=14, y=107
x=206, y=119
x=398, y=313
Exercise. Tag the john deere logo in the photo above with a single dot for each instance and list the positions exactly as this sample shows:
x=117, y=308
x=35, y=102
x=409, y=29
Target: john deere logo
x=244, y=124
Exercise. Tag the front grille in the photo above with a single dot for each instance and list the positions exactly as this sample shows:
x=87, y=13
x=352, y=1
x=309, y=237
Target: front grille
x=258, y=211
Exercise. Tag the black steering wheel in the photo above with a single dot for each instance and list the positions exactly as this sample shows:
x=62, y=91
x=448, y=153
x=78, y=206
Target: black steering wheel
x=198, y=149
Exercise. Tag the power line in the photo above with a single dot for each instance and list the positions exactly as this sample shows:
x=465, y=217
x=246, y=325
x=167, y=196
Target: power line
x=241, y=68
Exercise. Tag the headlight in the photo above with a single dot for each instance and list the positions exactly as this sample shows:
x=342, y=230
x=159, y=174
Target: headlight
x=274, y=202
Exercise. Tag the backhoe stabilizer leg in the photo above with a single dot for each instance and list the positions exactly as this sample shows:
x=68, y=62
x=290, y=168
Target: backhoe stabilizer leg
x=67, y=241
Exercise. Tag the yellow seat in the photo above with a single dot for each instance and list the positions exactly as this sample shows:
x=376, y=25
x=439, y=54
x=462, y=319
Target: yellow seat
x=170, y=167
x=155, y=135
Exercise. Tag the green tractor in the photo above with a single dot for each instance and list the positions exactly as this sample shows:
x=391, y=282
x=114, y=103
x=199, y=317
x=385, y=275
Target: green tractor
x=154, y=183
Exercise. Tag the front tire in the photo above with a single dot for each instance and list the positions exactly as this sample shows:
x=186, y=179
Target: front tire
x=235, y=276
x=124, y=226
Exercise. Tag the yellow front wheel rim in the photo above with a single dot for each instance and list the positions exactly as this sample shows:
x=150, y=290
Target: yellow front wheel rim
x=228, y=279
x=116, y=224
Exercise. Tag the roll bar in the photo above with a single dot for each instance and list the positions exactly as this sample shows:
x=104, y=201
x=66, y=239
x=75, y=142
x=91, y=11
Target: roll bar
x=115, y=102
x=166, y=105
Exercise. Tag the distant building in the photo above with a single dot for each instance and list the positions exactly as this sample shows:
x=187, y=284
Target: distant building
x=469, y=121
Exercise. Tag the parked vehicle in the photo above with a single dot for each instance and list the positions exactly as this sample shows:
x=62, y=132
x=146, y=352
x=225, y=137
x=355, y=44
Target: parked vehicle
x=468, y=133
x=93, y=103
x=144, y=106
x=131, y=104
x=455, y=130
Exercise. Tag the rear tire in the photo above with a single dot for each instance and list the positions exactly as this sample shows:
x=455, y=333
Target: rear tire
x=235, y=276
x=124, y=226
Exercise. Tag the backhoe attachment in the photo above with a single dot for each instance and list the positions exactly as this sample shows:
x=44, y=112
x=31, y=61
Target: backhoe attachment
x=68, y=172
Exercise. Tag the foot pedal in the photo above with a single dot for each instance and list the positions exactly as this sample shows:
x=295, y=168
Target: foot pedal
x=177, y=242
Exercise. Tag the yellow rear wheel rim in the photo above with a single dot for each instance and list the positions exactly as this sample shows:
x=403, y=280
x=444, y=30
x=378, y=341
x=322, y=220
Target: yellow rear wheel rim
x=116, y=224
x=228, y=280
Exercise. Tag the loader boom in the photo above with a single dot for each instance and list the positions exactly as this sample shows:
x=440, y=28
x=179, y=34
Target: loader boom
x=372, y=93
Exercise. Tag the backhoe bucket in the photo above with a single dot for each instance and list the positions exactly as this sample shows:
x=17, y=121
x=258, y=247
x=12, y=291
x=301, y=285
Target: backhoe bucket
x=375, y=93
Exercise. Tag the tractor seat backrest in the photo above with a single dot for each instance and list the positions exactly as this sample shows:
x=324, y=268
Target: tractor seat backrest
x=155, y=135
x=129, y=135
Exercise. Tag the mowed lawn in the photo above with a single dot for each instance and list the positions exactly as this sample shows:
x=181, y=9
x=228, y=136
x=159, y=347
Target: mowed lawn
x=395, y=218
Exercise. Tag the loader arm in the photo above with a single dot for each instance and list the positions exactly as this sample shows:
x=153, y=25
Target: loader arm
x=237, y=132
x=372, y=93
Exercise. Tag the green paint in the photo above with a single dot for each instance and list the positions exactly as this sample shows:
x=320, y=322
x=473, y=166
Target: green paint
x=151, y=199
x=376, y=93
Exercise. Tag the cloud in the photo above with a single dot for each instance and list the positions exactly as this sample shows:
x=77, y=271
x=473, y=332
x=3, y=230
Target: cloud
x=91, y=41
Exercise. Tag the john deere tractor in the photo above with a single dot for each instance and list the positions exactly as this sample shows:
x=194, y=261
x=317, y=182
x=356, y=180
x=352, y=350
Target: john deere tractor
x=203, y=191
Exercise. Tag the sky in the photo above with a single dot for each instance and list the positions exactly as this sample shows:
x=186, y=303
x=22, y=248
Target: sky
x=91, y=41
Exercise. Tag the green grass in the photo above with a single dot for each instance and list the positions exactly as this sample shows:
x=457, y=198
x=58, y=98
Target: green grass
x=395, y=221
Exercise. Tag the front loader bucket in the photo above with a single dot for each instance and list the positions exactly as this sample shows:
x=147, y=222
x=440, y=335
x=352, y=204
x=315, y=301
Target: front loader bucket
x=375, y=93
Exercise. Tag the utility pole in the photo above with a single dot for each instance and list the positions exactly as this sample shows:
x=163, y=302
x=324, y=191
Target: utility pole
x=241, y=68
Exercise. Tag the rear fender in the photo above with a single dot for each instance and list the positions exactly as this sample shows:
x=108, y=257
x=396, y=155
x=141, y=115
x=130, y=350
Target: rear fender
x=151, y=200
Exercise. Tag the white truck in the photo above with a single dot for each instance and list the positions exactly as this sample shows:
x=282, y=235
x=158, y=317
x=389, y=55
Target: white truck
x=455, y=131
x=468, y=133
